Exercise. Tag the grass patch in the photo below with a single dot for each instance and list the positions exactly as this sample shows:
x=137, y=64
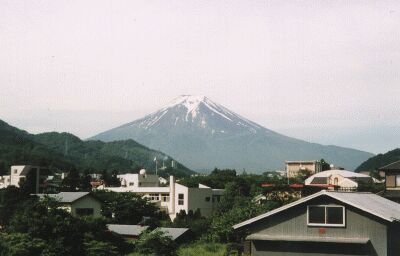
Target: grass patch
x=200, y=249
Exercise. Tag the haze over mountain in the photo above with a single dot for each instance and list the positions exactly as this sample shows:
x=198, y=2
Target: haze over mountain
x=203, y=134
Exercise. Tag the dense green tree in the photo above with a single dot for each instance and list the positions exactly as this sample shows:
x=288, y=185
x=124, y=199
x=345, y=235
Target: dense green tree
x=380, y=160
x=197, y=224
x=99, y=248
x=155, y=243
x=128, y=208
x=85, y=182
x=221, y=226
x=114, y=181
x=72, y=182
x=324, y=165
x=20, y=244
x=10, y=200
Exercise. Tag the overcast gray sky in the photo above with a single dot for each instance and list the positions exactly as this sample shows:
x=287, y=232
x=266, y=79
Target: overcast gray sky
x=322, y=71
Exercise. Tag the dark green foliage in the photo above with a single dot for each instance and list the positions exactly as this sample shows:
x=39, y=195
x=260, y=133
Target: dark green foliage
x=324, y=165
x=198, y=225
x=221, y=226
x=128, y=208
x=127, y=155
x=111, y=180
x=216, y=179
x=380, y=160
x=370, y=187
x=155, y=243
x=72, y=182
x=18, y=244
x=38, y=227
x=10, y=199
x=98, y=248
x=18, y=147
x=64, y=151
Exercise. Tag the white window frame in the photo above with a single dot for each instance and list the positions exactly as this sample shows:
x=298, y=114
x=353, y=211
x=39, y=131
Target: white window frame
x=326, y=224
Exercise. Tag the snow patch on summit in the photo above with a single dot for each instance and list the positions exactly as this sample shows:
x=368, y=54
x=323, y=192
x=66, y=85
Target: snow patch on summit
x=193, y=108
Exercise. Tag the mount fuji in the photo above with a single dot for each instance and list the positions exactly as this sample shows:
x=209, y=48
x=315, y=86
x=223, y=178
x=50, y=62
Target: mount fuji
x=203, y=135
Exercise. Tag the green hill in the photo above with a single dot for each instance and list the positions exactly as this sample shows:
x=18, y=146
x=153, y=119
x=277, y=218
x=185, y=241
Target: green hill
x=18, y=147
x=64, y=151
x=380, y=160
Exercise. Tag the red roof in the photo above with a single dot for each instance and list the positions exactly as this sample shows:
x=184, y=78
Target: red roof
x=266, y=185
x=296, y=185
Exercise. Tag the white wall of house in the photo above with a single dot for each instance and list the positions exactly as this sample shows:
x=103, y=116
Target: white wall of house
x=180, y=204
x=86, y=202
x=17, y=174
x=134, y=180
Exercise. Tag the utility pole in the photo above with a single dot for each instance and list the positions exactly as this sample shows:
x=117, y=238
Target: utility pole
x=155, y=160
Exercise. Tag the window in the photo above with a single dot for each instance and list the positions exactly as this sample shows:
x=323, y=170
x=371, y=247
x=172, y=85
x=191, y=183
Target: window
x=84, y=211
x=181, y=199
x=326, y=215
x=336, y=181
x=131, y=183
x=207, y=199
x=154, y=197
x=165, y=197
x=15, y=171
x=392, y=181
x=216, y=199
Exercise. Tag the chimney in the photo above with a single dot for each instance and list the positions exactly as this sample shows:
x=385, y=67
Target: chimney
x=171, y=194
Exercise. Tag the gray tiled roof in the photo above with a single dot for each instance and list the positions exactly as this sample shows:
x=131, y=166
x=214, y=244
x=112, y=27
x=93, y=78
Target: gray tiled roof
x=392, y=166
x=129, y=230
x=174, y=233
x=320, y=180
x=66, y=197
x=367, y=202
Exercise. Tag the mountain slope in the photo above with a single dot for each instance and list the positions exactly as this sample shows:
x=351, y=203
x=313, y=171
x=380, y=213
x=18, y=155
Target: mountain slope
x=380, y=160
x=122, y=155
x=18, y=147
x=65, y=151
x=203, y=135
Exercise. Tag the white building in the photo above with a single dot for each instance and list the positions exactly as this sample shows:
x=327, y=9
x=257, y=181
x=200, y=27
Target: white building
x=294, y=168
x=341, y=179
x=172, y=198
x=18, y=175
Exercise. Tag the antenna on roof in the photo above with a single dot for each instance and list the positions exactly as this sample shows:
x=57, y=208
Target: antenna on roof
x=155, y=160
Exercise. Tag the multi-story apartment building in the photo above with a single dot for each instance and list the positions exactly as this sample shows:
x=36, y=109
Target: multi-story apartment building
x=171, y=198
x=294, y=168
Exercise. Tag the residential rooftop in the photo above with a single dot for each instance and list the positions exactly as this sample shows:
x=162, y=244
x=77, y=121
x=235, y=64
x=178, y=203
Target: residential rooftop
x=365, y=201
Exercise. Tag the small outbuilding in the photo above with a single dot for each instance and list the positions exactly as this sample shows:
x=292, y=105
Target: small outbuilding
x=179, y=235
x=130, y=232
x=79, y=204
x=392, y=181
x=327, y=223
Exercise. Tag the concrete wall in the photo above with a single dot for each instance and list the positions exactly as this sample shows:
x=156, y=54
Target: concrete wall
x=197, y=200
x=148, y=180
x=293, y=222
x=194, y=198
